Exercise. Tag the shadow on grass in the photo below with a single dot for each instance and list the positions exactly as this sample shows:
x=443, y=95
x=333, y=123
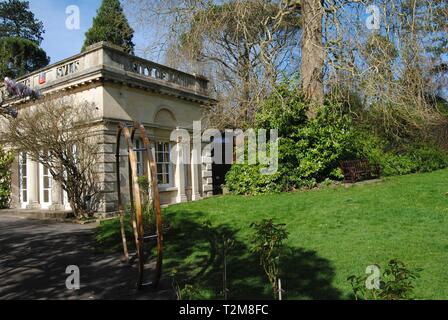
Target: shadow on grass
x=193, y=248
x=193, y=254
x=108, y=236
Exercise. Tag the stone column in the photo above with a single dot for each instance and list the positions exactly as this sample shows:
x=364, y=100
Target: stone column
x=195, y=192
x=56, y=197
x=33, y=185
x=180, y=174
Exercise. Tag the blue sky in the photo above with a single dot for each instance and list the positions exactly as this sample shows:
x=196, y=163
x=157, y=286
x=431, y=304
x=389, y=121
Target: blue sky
x=60, y=42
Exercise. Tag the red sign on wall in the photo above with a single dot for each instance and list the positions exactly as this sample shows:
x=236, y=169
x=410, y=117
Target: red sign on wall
x=42, y=78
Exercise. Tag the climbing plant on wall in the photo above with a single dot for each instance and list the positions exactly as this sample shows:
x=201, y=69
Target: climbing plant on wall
x=15, y=90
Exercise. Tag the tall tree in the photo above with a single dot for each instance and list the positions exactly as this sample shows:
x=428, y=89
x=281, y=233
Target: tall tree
x=19, y=57
x=111, y=25
x=16, y=20
x=313, y=52
x=243, y=46
x=404, y=49
x=246, y=49
x=392, y=65
x=20, y=37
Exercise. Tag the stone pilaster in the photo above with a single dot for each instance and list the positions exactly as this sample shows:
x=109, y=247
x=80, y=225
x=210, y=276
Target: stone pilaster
x=207, y=175
x=56, y=197
x=180, y=174
x=106, y=171
x=33, y=185
x=195, y=176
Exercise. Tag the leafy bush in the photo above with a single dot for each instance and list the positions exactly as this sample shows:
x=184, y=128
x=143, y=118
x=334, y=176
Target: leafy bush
x=247, y=180
x=396, y=283
x=415, y=159
x=397, y=164
x=309, y=150
x=403, y=160
x=268, y=244
x=368, y=146
x=321, y=145
x=6, y=159
x=187, y=292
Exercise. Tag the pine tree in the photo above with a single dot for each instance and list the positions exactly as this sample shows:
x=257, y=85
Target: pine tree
x=16, y=20
x=111, y=25
x=20, y=39
x=19, y=57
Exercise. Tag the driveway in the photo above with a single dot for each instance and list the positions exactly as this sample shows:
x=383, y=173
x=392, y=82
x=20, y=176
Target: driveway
x=34, y=256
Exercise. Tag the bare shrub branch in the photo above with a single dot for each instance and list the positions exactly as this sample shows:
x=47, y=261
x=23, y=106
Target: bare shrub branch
x=56, y=132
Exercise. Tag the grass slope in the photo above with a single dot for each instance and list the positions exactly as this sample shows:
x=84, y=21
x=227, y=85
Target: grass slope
x=334, y=233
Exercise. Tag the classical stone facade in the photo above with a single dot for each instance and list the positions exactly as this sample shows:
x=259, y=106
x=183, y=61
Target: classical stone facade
x=124, y=88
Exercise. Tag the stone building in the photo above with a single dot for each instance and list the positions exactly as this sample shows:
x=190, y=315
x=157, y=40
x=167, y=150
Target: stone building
x=124, y=88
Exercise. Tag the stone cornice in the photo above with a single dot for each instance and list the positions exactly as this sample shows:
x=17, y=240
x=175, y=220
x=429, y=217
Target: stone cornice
x=108, y=63
x=115, y=121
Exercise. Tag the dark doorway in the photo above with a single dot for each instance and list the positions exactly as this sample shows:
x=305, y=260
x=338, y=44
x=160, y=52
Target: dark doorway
x=219, y=171
x=219, y=177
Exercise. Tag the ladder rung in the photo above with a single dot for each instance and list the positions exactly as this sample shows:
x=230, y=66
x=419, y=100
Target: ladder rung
x=140, y=149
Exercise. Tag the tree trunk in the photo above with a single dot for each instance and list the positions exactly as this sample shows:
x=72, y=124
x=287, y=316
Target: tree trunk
x=313, y=54
x=244, y=71
x=78, y=205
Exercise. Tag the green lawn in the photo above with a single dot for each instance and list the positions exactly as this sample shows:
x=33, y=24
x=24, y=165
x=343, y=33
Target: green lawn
x=334, y=233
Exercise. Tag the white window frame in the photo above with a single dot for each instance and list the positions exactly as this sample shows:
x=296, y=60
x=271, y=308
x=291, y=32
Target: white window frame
x=140, y=169
x=45, y=204
x=170, y=164
x=23, y=188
